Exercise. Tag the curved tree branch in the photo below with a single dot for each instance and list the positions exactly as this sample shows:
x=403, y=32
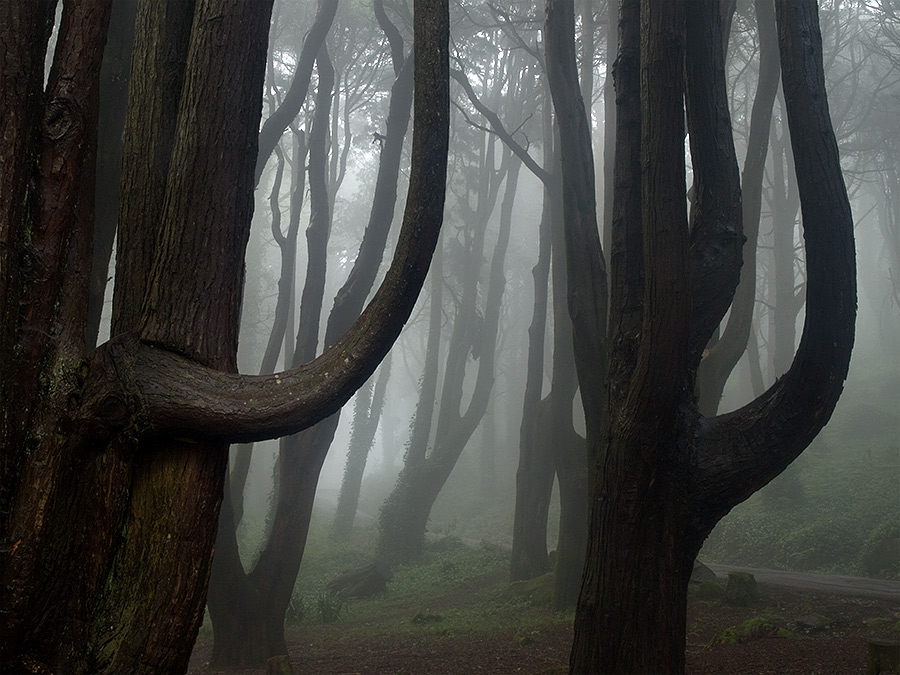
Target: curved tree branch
x=157, y=391
x=498, y=127
x=281, y=117
x=740, y=452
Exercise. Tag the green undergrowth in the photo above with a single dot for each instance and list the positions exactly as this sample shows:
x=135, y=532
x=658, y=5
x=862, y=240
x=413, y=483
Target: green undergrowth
x=453, y=588
x=836, y=511
x=766, y=625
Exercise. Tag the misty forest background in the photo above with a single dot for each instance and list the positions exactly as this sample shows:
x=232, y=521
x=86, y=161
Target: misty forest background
x=462, y=428
x=835, y=510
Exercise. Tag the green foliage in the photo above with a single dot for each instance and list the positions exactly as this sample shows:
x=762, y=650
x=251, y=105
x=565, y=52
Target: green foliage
x=708, y=590
x=537, y=591
x=849, y=476
x=754, y=628
x=453, y=588
x=330, y=607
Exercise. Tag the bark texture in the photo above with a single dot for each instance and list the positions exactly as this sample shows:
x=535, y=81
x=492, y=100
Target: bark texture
x=666, y=474
x=108, y=536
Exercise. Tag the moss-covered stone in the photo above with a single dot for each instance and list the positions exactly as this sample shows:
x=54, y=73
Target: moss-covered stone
x=741, y=589
x=279, y=665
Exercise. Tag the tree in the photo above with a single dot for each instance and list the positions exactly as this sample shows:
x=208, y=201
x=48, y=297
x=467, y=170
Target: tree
x=665, y=474
x=248, y=609
x=366, y=416
x=404, y=515
x=114, y=458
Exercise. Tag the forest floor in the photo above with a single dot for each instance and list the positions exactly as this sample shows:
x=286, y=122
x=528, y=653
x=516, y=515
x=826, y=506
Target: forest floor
x=473, y=627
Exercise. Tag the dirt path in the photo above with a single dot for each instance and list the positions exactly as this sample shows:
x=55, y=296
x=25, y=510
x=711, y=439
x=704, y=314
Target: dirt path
x=820, y=583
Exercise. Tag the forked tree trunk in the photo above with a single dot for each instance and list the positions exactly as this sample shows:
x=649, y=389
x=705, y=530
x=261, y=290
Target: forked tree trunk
x=669, y=474
x=271, y=581
x=534, y=475
x=107, y=534
x=567, y=447
x=404, y=515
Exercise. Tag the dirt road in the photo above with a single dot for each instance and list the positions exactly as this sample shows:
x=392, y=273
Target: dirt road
x=820, y=583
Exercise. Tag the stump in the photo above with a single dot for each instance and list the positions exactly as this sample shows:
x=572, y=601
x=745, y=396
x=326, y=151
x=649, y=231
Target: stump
x=362, y=582
x=279, y=665
x=884, y=657
x=741, y=589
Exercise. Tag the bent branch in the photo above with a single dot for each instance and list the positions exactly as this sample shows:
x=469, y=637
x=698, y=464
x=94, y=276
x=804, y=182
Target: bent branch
x=758, y=441
x=160, y=392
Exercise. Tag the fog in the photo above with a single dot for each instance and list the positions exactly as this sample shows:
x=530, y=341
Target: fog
x=477, y=501
x=587, y=348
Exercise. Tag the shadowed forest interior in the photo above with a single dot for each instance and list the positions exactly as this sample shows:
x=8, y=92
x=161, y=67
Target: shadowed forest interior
x=471, y=318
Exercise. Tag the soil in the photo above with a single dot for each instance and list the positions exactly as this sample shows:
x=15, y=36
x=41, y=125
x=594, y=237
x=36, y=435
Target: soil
x=796, y=631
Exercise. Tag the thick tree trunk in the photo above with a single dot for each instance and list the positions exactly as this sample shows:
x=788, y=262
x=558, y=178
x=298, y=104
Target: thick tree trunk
x=156, y=514
x=668, y=474
x=635, y=602
x=107, y=545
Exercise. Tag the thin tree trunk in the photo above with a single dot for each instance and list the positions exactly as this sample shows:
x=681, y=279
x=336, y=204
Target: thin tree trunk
x=366, y=416
x=534, y=476
x=404, y=515
x=280, y=118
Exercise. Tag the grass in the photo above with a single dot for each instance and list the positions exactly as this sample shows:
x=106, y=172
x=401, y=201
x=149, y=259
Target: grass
x=454, y=588
x=847, y=509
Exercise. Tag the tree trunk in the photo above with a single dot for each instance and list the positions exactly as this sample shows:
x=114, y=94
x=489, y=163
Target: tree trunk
x=534, y=476
x=367, y=414
x=585, y=288
x=787, y=302
x=404, y=516
x=281, y=117
x=669, y=474
x=566, y=446
x=107, y=544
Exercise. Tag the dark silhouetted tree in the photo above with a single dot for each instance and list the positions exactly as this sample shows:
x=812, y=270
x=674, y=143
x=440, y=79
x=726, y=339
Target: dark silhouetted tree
x=113, y=459
x=665, y=474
